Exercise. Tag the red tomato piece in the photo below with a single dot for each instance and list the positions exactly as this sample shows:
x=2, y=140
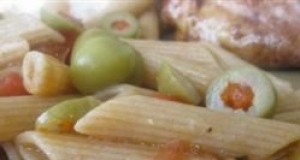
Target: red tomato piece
x=11, y=84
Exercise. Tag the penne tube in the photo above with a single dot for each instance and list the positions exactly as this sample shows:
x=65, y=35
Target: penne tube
x=291, y=116
x=45, y=76
x=122, y=90
x=154, y=121
x=292, y=76
x=19, y=113
x=149, y=24
x=12, y=51
x=192, y=60
x=49, y=146
x=290, y=112
x=11, y=151
x=292, y=103
x=200, y=62
x=28, y=28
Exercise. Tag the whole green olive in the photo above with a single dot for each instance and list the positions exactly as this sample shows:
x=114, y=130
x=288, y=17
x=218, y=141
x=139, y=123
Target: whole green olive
x=101, y=62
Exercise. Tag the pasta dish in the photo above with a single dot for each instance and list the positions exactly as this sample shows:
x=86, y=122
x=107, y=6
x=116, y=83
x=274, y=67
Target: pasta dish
x=105, y=87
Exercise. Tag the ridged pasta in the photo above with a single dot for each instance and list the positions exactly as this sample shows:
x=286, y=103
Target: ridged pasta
x=150, y=120
x=51, y=146
x=18, y=114
x=28, y=28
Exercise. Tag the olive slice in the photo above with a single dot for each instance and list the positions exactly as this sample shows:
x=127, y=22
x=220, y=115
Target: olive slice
x=138, y=72
x=121, y=24
x=173, y=83
x=245, y=90
x=57, y=21
x=62, y=117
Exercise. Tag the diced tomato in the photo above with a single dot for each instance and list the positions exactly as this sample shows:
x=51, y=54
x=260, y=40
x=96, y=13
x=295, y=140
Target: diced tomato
x=12, y=85
x=175, y=150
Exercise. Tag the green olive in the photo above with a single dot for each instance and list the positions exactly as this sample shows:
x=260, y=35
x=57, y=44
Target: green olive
x=58, y=21
x=121, y=24
x=63, y=116
x=173, y=83
x=88, y=35
x=245, y=90
x=101, y=62
x=139, y=71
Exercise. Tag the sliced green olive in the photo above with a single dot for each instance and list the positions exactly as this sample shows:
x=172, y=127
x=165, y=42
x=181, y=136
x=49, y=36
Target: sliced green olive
x=58, y=21
x=173, y=83
x=139, y=71
x=244, y=90
x=63, y=116
x=101, y=62
x=88, y=35
x=121, y=24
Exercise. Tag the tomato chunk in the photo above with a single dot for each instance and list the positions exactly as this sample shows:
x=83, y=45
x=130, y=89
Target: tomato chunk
x=11, y=84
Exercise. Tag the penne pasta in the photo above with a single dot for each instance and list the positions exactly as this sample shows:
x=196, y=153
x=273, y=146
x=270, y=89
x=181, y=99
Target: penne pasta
x=51, y=146
x=28, y=28
x=194, y=61
x=12, y=51
x=122, y=90
x=11, y=151
x=200, y=62
x=18, y=114
x=149, y=24
x=291, y=110
x=154, y=121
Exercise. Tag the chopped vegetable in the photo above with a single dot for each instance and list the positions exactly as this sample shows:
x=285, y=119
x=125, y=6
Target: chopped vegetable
x=121, y=24
x=11, y=84
x=139, y=71
x=244, y=90
x=101, y=62
x=171, y=82
x=59, y=21
x=45, y=76
x=63, y=116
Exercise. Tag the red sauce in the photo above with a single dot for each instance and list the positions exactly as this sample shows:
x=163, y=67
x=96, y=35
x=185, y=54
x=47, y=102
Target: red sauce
x=238, y=96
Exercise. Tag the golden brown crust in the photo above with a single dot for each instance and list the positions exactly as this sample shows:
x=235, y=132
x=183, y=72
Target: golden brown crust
x=265, y=32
